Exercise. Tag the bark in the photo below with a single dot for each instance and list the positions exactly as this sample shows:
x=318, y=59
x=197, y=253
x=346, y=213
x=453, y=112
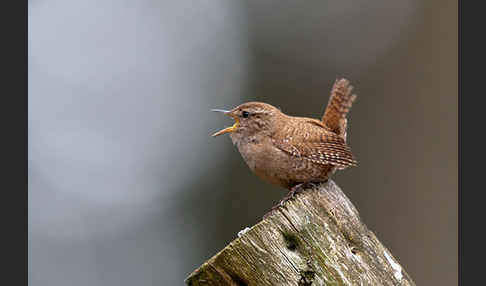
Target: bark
x=317, y=238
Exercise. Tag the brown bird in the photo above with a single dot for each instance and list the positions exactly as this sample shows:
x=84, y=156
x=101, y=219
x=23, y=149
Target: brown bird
x=289, y=151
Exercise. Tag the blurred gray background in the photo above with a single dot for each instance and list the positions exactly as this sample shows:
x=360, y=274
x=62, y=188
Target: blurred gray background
x=126, y=187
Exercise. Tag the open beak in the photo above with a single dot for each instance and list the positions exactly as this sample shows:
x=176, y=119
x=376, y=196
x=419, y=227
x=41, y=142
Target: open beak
x=228, y=129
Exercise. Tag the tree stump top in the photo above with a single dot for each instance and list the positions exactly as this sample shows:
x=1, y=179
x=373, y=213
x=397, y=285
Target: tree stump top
x=317, y=238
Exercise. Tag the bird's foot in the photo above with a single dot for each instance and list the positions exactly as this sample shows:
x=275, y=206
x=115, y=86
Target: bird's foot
x=297, y=189
x=274, y=208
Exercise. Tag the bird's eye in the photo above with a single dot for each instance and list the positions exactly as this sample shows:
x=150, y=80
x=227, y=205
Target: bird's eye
x=245, y=114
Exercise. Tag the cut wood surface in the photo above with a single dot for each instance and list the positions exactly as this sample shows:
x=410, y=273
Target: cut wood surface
x=317, y=238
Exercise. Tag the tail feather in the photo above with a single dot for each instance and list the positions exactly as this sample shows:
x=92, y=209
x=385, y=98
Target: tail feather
x=339, y=104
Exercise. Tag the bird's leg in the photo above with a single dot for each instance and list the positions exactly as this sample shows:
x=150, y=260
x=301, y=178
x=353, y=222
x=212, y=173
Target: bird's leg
x=274, y=208
x=291, y=195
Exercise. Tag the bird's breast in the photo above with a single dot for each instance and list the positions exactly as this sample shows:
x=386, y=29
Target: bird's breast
x=254, y=152
x=264, y=159
x=278, y=167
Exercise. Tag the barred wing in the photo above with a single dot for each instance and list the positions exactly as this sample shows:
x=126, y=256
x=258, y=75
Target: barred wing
x=330, y=150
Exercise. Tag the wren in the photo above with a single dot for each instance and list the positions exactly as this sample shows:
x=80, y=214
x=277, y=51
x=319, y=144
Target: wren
x=289, y=151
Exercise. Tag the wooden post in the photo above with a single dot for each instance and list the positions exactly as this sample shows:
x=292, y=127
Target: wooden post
x=315, y=239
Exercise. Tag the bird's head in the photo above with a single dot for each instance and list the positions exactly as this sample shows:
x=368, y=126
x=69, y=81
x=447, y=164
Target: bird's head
x=251, y=118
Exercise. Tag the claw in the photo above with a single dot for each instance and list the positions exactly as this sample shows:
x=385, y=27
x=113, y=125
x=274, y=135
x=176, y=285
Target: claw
x=290, y=196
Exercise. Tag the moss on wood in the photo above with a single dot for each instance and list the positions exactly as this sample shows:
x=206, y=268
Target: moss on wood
x=317, y=238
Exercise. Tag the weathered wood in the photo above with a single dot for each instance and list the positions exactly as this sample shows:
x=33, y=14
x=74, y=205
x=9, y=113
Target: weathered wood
x=315, y=239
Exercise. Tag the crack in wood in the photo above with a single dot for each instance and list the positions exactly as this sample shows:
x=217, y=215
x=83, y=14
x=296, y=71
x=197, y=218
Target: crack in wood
x=316, y=239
